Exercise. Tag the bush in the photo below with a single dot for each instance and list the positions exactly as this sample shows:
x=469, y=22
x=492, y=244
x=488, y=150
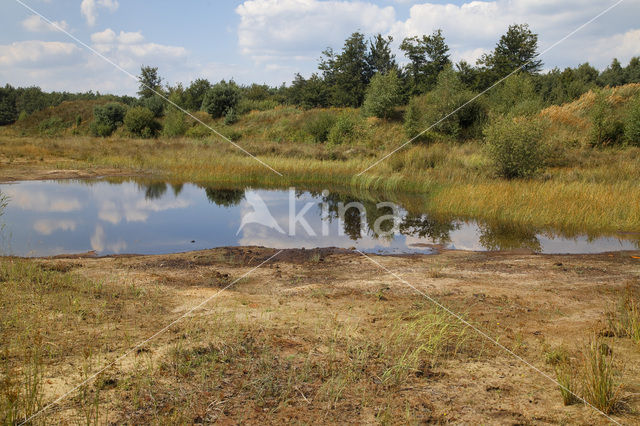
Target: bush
x=345, y=130
x=51, y=126
x=606, y=129
x=174, y=123
x=245, y=105
x=632, y=123
x=449, y=94
x=319, y=126
x=515, y=146
x=230, y=117
x=198, y=132
x=107, y=118
x=516, y=96
x=141, y=122
x=383, y=94
x=155, y=104
x=220, y=98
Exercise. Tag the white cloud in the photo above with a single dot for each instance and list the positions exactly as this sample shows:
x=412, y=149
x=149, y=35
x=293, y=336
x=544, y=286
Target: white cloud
x=89, y=9
x=36, y=52
x=622, y=46
x=34, y=23
x=49, y=226
x=271, y=29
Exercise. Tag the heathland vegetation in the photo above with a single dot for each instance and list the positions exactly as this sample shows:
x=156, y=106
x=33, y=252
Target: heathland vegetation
x=566, y=137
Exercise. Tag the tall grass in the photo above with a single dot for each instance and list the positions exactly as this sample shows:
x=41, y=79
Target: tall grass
x=600, y=385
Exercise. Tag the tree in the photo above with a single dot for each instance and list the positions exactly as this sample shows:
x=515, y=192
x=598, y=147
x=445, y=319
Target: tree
x=614, y=75
x=150, y=82
x=632, y=71
x=309, y=93
x=380, y=59
x=517, y=49
x=348, y=73
x=220, y=98
x=383, y=94
x=195, y=93
x=8, y=111
x=429, y=55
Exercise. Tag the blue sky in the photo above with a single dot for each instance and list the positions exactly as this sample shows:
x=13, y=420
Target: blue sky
x=267, y=41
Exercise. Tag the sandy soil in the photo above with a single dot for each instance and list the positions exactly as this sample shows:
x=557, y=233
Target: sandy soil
x=527, y=302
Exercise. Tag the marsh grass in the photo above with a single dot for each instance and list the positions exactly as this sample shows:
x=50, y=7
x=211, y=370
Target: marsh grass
x=600, y=382
x=624, y=319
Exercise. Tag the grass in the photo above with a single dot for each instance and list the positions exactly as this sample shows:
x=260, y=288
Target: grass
x=624, y=320
x=600, y=384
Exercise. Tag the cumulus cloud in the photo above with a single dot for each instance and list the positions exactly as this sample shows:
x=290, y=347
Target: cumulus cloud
x=36, y=52
x=35, y=24
x=299, y=29
x=89, y=9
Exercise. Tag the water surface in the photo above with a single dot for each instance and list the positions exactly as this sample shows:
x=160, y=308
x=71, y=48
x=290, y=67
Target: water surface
x=46, y=218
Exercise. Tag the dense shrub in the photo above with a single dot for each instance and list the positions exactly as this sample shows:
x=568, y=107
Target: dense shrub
x=516, y=96
x=174, y=123
x=319, y=126
x=632, y=123
x=220, y=98
x=107, y=118
x=346, y=129
x=141, y=122
x=51, y=126
x=198, y=132
x=382, y=95
x=230, y=117
x=515, y=146
x=155, y=104
x=606, y=128
x=449, y=94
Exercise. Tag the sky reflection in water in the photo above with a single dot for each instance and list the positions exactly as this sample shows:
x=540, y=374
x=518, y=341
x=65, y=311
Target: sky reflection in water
x=56, y=217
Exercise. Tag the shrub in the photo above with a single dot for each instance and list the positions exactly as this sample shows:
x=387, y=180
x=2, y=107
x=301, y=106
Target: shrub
x=606, y=129
x=449, y=94
x=141, y=122
x=383, y=94
x=220, y=98
x=155, y=104
x=515, y=96
x=107, y=118
x=51, y=126
x=344, y=130
x=632, y=123
x=245, y=105
x=230, y=117
x=174, y=123
x=515, y=146
x=319, y=126
x=198, y=132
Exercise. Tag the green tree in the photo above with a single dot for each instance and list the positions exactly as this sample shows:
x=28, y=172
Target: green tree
x=150, y=82
x=632, y=71
x=383, y=94
x=428, y=56
x=515, y=96
x=348, y=73
x=141, y=122
x=8, y=110
x=614, y=75
x=309, y=93
x=606, y=129
x=517, y=49
x=195, y=93
x=381, y=59
x=220, y=98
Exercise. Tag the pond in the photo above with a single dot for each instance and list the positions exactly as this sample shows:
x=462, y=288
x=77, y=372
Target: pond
x=45, y=218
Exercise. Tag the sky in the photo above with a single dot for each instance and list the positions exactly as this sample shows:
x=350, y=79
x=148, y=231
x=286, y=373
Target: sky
x=268, y=41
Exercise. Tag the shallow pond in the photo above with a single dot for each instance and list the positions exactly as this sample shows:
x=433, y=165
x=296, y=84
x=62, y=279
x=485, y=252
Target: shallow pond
x=46, y=218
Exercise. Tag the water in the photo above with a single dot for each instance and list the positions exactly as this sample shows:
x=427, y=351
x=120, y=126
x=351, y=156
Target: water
x=46, y=218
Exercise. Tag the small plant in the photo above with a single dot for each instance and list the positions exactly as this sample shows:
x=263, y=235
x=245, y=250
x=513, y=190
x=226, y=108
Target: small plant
x=515, y=146
x=600, y=386
x=565, y=376
x=230, y=117
x=141, y=122
x=624, y=321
